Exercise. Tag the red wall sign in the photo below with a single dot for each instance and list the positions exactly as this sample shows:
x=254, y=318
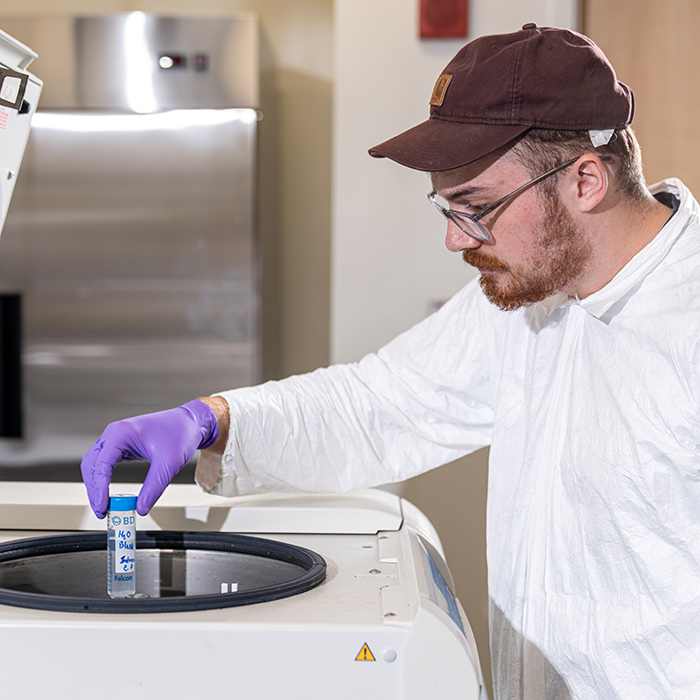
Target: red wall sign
x=443, y=18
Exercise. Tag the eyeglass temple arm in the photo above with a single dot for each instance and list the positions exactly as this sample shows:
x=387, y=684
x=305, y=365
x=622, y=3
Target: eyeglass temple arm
x=539, y=178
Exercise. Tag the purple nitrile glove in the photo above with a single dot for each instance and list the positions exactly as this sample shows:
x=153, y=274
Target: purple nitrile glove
x=167, y=439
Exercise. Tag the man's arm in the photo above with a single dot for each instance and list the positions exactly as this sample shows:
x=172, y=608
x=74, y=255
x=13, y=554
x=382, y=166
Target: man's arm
x=223, y=420
x=421, y=401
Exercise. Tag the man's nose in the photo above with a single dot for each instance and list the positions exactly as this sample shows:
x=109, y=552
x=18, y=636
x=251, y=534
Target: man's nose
x=457, y=240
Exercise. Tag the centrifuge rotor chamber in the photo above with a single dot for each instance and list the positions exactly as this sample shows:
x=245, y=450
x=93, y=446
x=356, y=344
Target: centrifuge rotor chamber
x=175, y=572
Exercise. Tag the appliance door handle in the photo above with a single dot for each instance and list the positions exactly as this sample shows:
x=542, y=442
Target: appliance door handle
x=11, y=366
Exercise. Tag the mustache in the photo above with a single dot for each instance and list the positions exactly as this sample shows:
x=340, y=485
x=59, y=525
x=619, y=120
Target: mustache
x=477, y=259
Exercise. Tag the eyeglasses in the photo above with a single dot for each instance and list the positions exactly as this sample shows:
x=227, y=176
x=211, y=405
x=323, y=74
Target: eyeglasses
x=470, y=223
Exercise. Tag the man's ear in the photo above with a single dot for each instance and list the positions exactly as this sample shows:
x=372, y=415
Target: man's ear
x=591, y=182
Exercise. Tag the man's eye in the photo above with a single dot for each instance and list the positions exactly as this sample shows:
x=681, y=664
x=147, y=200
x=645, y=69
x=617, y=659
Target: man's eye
x=472, y=209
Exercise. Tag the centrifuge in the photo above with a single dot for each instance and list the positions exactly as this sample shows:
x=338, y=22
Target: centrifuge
x=283, y=596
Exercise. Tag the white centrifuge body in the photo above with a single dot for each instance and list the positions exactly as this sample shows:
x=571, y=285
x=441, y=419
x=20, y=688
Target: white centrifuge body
x=384, y=623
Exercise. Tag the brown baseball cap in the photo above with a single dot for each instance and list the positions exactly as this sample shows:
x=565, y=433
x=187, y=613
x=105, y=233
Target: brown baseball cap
x=499, y=86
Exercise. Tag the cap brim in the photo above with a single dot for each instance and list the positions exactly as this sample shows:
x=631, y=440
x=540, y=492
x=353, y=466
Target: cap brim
x=437, y=145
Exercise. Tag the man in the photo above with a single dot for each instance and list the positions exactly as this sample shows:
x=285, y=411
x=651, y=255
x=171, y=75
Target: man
x=575, y=357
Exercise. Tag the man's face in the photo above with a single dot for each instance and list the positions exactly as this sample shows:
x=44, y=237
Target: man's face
x=535, y=250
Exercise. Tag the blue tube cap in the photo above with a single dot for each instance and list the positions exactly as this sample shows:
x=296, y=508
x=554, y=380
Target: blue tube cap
x=122, y=501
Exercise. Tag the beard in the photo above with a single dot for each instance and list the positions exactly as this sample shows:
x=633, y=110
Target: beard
x=560, y=254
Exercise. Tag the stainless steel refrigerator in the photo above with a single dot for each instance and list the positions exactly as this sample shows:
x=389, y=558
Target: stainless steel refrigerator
x=129, y=251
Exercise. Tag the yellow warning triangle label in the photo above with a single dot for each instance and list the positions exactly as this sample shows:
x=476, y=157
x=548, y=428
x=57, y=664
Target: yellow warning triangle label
x=365, y=654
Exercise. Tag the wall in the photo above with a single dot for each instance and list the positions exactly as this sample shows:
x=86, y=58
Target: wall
x=295, y=147
x=656, y=56
x=389, y=264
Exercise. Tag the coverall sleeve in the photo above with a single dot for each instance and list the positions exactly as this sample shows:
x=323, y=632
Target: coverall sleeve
x=421, y=401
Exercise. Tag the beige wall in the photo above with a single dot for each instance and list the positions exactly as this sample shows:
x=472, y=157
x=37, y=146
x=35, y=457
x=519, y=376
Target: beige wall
x=656, y=56
x=389, y=264
x=295, y=161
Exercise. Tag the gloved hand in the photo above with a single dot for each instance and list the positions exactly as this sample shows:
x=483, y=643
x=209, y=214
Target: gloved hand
x=167, y=439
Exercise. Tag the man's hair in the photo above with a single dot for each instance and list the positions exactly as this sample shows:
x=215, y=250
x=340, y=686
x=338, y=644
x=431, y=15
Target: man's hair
x=540, y=150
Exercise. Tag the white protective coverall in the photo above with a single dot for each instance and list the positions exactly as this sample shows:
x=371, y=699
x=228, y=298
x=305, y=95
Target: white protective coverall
x=592, y=411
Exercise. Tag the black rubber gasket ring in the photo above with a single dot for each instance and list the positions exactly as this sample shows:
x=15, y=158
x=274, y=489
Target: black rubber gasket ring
x=312, y=564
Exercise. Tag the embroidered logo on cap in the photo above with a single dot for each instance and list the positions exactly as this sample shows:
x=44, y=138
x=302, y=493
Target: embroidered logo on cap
x=440, y=89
